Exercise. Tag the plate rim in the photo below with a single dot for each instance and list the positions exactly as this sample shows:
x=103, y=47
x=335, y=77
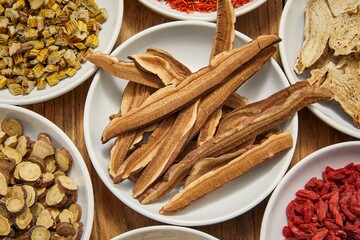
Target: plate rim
x=288, y=71
x=72, y=85
x=292, y=171
x=208, y=17
x=164, y=227
x=84, y=170
x=112, y=187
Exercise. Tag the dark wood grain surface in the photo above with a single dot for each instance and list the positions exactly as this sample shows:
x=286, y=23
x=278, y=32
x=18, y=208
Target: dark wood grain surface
x=112, y=217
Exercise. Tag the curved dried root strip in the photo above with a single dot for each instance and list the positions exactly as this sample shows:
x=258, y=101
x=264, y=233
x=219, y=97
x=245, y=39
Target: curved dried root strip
x=226, y=141
x=189, y=89
x=209, y=128
x=125, y=70
x=162, y=64
x=318, y=21
x=213, y=180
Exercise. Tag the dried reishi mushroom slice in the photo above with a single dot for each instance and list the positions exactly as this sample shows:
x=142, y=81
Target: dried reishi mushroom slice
x=12, y=127
x=23, y=220
x=43, y=148
x=29, y=172
x=55, y=196
x=67, y=184
x=5, y=227
x=63, y=159
x=45, y=219
x=76, y=210
x=15, y=205
x=39, y=233
x=65, y=229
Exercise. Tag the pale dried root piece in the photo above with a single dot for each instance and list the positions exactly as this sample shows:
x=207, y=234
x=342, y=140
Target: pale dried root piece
x=45, y=219
x=65, y=229
x=345, y=6
x=216, y=99
x=125, y=70
x=318, y=26
x=15, y=206
x=55, y=196
x=5, y=226
x=67, y=184
x=213, y=180
x=23, y=221
x=11, y=153
x=143, y=155
x=29, y=172
x=174, y=142
x=162, y=64
x=189, y=90
x=228, y=140
x=43, y=148
x=63, y=159
x=31, y=195
x=6, y=163
x=65, y=216
x=12, y=127
x=4, y=178
x=343, y=80
x=39, y=233
x=24, y=145
x=76, y=211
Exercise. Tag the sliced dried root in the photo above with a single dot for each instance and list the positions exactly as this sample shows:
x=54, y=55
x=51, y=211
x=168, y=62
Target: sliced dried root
x=213, y=180
x=63, y=159
x=67, y=184
x=5, y=227
x=12, y=127
x=39, y=233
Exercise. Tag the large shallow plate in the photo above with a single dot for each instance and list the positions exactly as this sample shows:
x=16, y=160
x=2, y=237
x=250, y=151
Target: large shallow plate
x=34, y=124
x=292, y=34
x=165, y=10
x=107, y=36
x=336, y=156
x=164, y=233
x=190, y=42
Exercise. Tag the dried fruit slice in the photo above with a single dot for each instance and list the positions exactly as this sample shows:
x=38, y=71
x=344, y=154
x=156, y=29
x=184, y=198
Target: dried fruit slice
x=67, y=184
x=39, y=233
x=12, y=127
x=5, y=227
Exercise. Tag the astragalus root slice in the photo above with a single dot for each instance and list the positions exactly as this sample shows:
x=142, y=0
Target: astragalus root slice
x=145, y=153
x=162, y=64
x=134, y=95
x=213, y=180
x=228, y=140
x=169, y=149
x=318, y=25
x=189, y=90
x=217, y=98
x=125, y=70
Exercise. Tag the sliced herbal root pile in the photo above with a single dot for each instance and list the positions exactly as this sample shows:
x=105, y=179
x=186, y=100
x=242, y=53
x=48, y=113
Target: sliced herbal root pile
x=232, y=136
x=37, y=198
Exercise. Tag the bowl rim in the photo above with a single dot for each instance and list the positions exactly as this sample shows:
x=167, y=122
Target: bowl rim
x=85, y=172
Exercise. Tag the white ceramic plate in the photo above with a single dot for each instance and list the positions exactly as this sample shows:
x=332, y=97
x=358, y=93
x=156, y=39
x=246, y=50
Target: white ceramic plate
x=291, y=32
x=335, y=156
x=33, y=124
x=165, y=10
x=164, y=233
x=190, y=42
x=107, y=36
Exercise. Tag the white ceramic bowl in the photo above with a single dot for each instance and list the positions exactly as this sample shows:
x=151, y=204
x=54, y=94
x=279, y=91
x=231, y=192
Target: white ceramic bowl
x=33, y=124
x=292, y=34
x=165, y=10
x=335, y=156
x=107, y=36
x=164, y=233
x=190, y=42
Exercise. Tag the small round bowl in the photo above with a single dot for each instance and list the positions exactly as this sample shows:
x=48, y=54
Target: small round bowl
x=107, y=39
x=164, y=233
x=335, y=156
x=33, y=124
x=163, y=9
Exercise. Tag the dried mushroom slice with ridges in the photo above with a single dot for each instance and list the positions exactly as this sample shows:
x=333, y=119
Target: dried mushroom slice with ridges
x=55, y=196
x=45, y=219
x=63, y=159
x=67, y=184
x=43, y=148
x=5, y=226
x=38, y=232
x=23, y=220
x=12, y=127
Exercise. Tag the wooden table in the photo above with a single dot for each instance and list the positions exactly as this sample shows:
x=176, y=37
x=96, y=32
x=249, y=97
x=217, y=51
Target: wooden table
x=112, y=217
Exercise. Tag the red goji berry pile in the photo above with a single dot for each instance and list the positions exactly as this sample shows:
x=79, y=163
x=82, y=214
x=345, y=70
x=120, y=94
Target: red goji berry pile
x=327, y=208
